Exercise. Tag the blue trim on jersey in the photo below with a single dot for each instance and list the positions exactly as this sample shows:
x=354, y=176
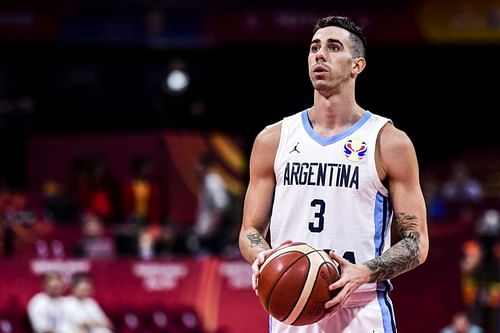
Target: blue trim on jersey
x=388, y=320
x=381, y=217
x=385, y=285
x=270, y=324
x=326, y=141
x=380, y=220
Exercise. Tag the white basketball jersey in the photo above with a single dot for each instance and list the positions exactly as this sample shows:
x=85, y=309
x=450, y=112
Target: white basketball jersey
x=328, y=193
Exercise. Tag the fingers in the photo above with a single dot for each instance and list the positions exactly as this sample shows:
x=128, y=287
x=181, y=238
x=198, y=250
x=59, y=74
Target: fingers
x=255, y=273
x=337, y=302
x=339, y=299
x=332, y=308
x=255, y=281
x=340, y=283
x=342, y=261
x=330, y=311
x=259, y=260
x=256, y=270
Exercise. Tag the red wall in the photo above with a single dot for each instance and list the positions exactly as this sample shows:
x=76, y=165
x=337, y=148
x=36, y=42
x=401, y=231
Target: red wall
x=220, y=290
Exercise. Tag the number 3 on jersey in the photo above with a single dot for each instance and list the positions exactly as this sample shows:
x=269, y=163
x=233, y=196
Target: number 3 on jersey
x=319, y=223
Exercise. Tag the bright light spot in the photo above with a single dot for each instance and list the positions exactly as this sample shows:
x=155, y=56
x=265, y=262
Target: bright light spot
x=177, y=81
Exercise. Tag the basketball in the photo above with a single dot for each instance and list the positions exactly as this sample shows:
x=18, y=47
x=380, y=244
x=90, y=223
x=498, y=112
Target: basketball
x=293, y=283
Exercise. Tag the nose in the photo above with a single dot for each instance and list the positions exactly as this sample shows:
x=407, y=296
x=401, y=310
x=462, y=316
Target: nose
x=320, y=55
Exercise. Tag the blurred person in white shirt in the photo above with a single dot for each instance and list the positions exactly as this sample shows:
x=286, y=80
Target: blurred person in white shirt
x=45, y=308
x=83, y=314
x=461, y=323
x=213, y=205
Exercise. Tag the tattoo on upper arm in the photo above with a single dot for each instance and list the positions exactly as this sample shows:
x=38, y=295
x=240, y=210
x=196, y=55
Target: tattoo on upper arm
x=402, y=256
x=256, y=239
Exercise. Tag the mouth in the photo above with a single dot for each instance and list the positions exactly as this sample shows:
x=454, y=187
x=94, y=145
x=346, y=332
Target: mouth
x=319, y=69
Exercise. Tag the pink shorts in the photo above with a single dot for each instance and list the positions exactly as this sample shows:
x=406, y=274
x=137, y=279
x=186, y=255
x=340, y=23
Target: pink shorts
x=367, y=312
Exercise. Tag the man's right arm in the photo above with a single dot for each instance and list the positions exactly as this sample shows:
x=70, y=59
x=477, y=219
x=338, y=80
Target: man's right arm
x=259, y=195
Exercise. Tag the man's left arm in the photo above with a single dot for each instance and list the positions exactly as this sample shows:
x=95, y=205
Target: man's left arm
x=397, y=163
x=400, y=166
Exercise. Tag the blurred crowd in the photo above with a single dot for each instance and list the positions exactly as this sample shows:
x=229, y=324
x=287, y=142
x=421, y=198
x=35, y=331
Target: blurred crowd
x=52, y=310
x=456, y=195
x=466, y=196
x=129, y=217
x=106, y=218
x=62, y=306
x=480, y=272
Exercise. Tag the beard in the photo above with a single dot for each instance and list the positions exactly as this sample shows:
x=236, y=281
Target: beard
x=329, y=87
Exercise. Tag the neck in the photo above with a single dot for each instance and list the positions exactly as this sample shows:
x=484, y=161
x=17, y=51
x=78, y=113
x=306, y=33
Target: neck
x=334, y=111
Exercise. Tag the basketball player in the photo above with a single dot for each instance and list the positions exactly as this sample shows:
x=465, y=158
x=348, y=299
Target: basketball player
x=336, y=176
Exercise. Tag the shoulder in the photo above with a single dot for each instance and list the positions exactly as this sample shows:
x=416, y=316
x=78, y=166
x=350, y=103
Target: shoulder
x=37, y=298
x=69, y=300
x=447, y=329
x=477, y=329
x=91, y=302
x=395, y=151
x=268, y=138
x=394, y=142
x=271, y=134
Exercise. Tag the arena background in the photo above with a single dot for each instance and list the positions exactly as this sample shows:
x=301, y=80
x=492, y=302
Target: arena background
x=87, y=79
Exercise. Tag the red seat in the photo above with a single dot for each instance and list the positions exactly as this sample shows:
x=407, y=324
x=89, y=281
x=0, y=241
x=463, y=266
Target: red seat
x=131, y=322
x=190, y=321
x=6, y=325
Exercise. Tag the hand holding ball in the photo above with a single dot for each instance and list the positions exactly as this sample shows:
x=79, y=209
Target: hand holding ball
x=293, y=283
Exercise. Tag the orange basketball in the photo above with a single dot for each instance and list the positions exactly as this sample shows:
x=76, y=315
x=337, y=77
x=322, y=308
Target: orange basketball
x=293, y=283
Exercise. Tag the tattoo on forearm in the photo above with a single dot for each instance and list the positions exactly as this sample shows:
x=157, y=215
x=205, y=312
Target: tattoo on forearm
x=402, y=256
x=256, y=239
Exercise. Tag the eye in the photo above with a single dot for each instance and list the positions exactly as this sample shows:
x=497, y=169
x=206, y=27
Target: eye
x=334, y=47
x=314, y=48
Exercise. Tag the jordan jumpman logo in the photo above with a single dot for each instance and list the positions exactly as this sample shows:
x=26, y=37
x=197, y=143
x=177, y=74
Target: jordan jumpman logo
x=295, y=149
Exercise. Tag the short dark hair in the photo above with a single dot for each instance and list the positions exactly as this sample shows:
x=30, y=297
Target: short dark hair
x=356, y=32
x=50, y=275
x=80, y=276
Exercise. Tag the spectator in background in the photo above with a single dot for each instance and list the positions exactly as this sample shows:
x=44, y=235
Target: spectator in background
x=94, y=242
x=83, y=314
x=95, y=189
x=480, y=267
x=211, y=224
x=58, y=205
x=461, y=323
x=79, y=182
x=436, y=210
x=142, y=193
x=45, y=309
x=18, y=225
x=461, y=192
x=142, y=203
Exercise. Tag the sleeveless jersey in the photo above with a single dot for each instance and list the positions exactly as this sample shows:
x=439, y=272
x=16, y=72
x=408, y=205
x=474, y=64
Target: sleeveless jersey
x=328, y=193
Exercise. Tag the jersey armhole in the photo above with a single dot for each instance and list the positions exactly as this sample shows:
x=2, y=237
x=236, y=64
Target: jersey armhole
x=282, y=143
x=379, y=184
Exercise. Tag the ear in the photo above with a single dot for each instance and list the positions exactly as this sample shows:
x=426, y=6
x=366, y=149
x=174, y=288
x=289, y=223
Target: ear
x=358, y=66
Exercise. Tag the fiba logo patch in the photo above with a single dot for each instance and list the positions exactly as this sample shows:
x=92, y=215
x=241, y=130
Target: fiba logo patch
x=355, y=149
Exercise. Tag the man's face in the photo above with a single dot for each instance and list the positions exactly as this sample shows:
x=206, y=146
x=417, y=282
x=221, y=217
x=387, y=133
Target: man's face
x=461, y=324
x=330, y=59
x=54, y=286
x=83, y=289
